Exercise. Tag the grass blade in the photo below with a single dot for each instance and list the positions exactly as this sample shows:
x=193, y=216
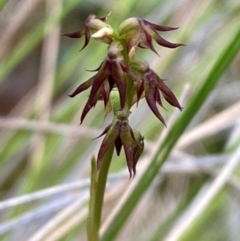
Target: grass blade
x=174, y=133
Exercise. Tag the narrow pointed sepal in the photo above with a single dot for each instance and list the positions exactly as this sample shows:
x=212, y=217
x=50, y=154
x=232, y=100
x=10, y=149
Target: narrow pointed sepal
x=87, y=40
x=147, y=41
x=163, y=42
x=77, y=34
x=82, y=87
x=149, y=87
x=118, y=145
x=108, y=140
x=168, y=95
x=104, y=132
x=158, y=27
x=89, y=105
x=138, y=149
x=152, y=104
x=127, y=142
x=119, y=78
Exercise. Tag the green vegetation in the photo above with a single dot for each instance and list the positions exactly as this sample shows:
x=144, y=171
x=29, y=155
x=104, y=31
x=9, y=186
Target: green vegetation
x=187, y=182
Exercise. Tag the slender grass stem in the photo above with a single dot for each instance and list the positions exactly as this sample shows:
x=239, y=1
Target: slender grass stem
x=176, y=131
x=98, y=184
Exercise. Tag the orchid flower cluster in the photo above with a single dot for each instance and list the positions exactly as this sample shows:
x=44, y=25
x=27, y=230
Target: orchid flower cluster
x=122, y=80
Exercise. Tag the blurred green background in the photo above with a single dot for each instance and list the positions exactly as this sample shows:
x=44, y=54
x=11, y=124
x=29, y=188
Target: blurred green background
x=45, y=154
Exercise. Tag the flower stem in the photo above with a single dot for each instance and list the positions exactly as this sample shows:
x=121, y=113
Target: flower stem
x=92, y=232
x=98, y=184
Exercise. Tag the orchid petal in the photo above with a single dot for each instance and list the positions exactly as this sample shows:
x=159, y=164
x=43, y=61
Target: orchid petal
x=89, y=105
x=108, y=140
x=87, y=39
x=77, y=34
x=147, y=40
x=163, y=42
x=127, y=142
x=118, y=145
x=168, y=94
x=157, y=27
x=104, y=132
x=119, y=78
x=82, y=87
x=149, y=95
x=98, y=80
x=140, y=90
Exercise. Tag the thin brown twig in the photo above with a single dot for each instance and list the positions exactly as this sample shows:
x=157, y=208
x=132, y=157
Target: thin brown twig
x=190, y=165
x=40, y=234
x=43, y=126
x=200, y=204
x=221, y=121
x=49, y=231
x=210, y=127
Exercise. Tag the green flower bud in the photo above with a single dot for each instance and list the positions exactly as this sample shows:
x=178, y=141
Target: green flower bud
x=95, y=23
x=115, y=101
x=128, y=25
x=139, y=65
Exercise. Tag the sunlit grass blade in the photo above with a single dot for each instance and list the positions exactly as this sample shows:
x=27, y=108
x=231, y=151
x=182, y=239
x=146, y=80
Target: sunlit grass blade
x=2, y=4
x=174, y=133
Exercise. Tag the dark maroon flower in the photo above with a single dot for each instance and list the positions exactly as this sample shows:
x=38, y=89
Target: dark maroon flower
x=152, y=87
x=122, y=80
x=139, y=32
x=92, y=25
x=110, y=73
x=121, y=134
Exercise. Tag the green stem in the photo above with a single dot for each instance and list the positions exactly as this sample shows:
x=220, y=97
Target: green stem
x=130, y=85
x=92, y=232
x=98, y=184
